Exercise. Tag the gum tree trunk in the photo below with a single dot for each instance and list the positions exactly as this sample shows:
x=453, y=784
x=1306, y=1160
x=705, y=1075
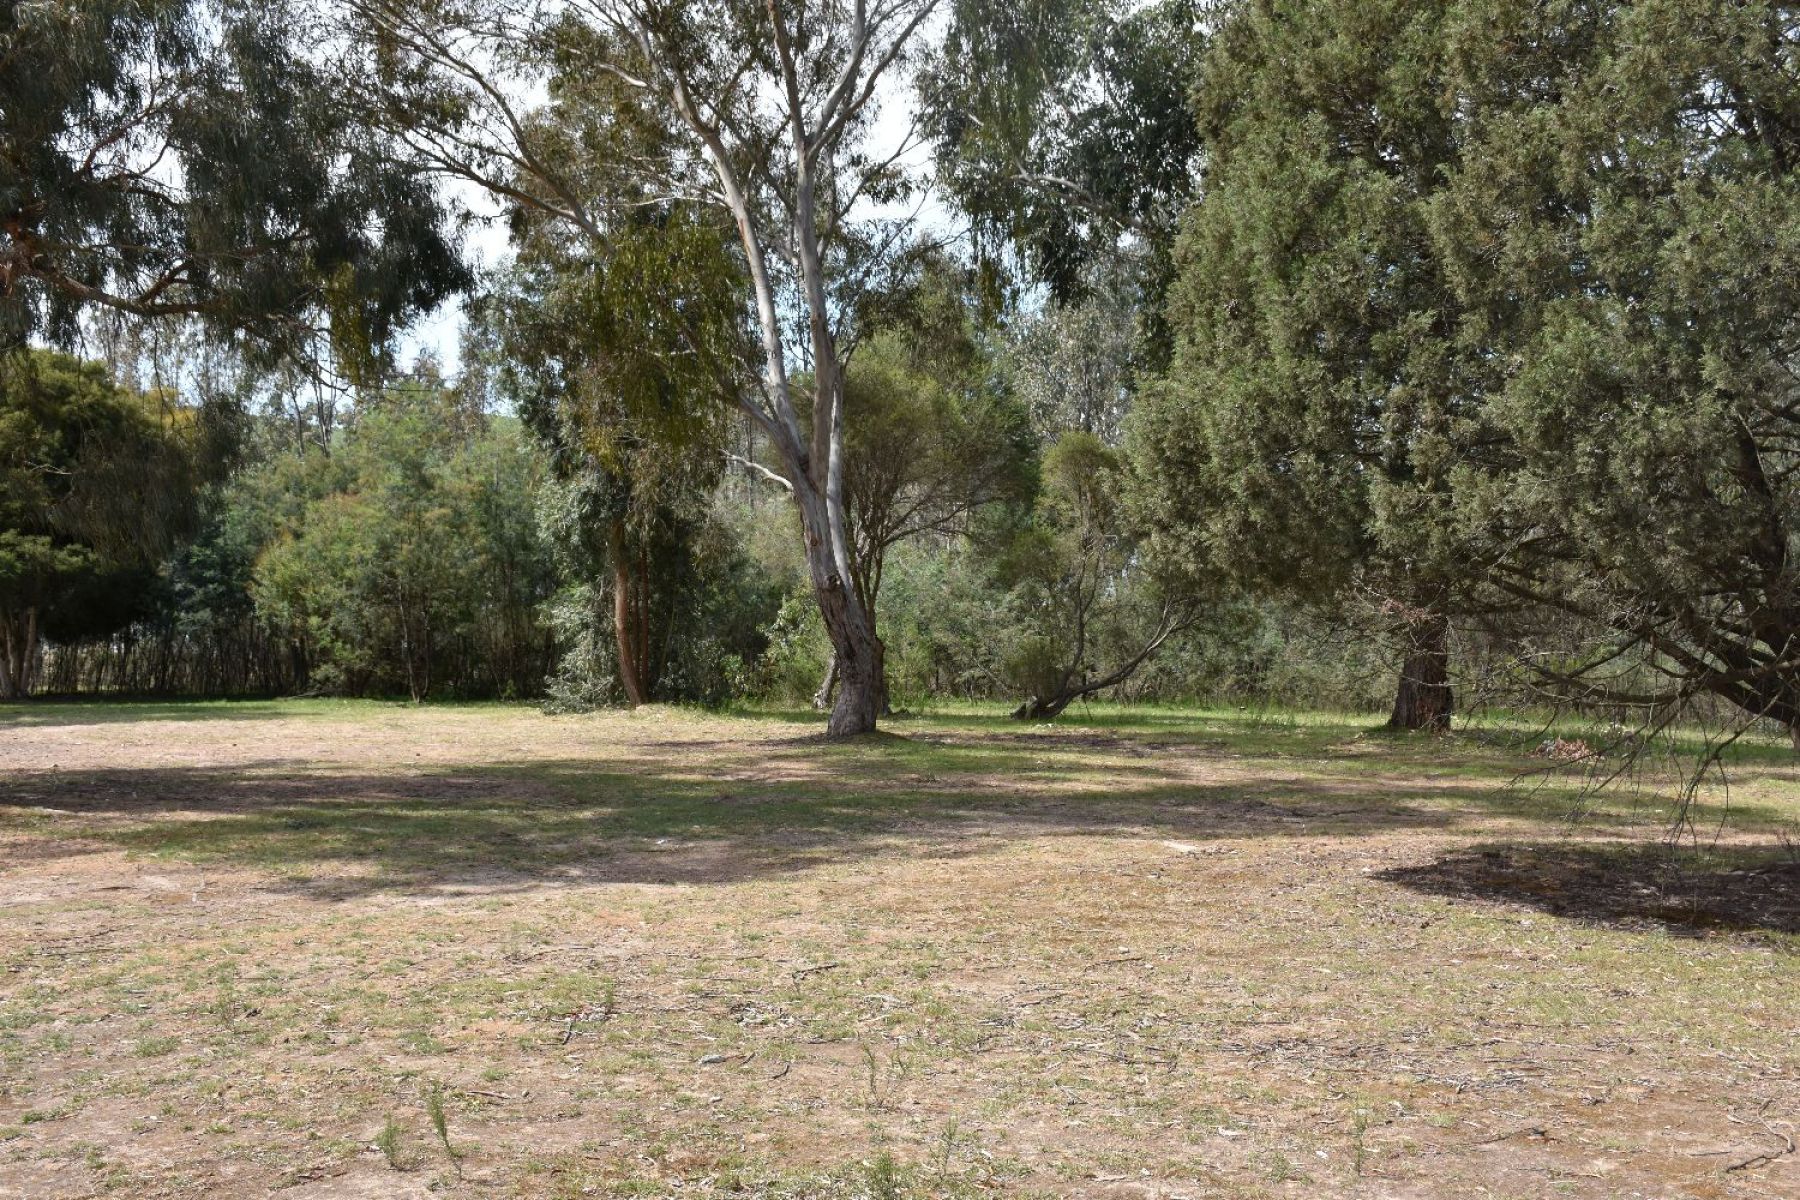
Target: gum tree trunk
x=1423, y=699
x=828, y=687
x=858, y=652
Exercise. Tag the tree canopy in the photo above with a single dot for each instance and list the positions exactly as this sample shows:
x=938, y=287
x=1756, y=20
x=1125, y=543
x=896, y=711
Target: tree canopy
x=1467, y=328
x=1487, y=304
x=96, y=485
x=196, y=158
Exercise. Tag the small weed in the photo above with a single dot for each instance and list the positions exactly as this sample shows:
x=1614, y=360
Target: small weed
x=884, y=1178
x=1359, y=1150
x=423, y=1041
x=879, y=1080
x=946, y=1147
x=440, y=1123
x=38, y=1115
x=156, y=1047
x=388, y=1141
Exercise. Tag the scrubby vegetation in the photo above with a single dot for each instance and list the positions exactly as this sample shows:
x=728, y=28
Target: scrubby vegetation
x=877, y=598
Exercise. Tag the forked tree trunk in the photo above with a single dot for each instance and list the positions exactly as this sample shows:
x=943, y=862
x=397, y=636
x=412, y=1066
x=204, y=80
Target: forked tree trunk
x=859, y=657
x=1174, y=619
x=848, y=624
x=1041, y=709
x=1423, y=699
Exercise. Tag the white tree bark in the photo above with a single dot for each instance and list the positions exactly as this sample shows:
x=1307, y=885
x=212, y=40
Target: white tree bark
x=773, y=109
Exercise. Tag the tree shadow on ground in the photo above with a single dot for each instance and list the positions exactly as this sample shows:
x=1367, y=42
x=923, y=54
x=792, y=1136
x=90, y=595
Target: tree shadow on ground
x=531, y=824
x=740, y=812
x=47, y=713
x=1688, y=892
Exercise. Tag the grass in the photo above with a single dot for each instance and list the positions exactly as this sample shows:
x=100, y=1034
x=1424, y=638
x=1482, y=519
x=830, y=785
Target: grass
x=297, y=945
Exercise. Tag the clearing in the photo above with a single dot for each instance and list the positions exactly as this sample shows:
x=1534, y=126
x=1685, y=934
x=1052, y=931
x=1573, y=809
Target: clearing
x=362, y=950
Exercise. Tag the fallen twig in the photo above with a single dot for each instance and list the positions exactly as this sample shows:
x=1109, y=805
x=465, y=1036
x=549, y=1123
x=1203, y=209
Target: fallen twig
x=1110, y=962
x=1763, y=1158
x=1537, y=1131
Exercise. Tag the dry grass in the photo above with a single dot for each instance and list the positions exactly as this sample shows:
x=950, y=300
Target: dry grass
x=343, y=950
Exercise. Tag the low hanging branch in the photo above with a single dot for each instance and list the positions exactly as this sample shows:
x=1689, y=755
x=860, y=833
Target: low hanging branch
x=1076, y=683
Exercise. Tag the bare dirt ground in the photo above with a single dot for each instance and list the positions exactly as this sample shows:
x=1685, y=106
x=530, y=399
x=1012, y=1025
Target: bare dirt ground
x=262, y=949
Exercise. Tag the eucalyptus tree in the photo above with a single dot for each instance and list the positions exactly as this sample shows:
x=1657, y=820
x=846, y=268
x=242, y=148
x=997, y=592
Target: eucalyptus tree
x=613, y=383
x=584, y=112
x=1063, y=129
x=193, y=159
x=934, y=439
x=1075, y=364
x=1094, y=605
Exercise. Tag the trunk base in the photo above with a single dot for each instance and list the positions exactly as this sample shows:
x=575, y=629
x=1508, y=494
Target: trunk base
x=855, y=712
x=1423, y=700
x=861, y=695
x=1035, y=709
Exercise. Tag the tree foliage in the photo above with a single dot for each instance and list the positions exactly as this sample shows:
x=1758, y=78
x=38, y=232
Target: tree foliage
x=96, y=485
x=1062, y=128
x=1093, y=608
x=1324, y=400
x=409, y=558
x=1625, y=243
x=1489, y=308
x=630, y=393
x=195, y=158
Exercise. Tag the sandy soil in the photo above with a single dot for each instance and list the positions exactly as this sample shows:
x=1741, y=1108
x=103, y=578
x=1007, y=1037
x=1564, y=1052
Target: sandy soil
x=667, y=954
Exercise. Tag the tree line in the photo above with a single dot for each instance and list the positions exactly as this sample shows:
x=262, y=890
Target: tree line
x=1264, y=340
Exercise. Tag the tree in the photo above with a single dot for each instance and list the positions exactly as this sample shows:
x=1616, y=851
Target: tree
x=623, y=390
x=192, y=159
x=95, y=486
x=1075, y=363
x=1623, y=236
x=758, y=111
x=1491, y=308
x=1324, y=401
x=1086, y=592
x=934, y=435
x=410, y=559
x=1062, y=128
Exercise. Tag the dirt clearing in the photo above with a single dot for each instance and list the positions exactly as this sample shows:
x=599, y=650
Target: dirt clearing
x=356, y=950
